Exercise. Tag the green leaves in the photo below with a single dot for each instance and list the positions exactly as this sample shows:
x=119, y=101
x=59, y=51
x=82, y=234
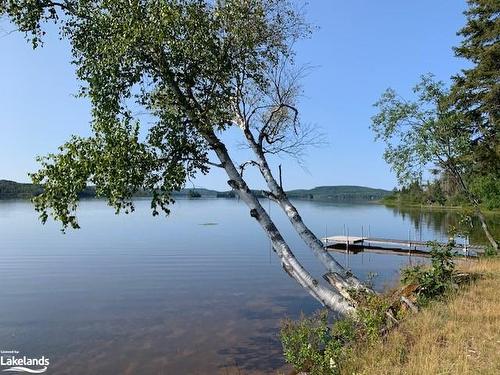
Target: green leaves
x=312, y=345
x=423, y=133
x=476, y=90
x=309, y=346
x=29, y=16
x=116, y=163
x=437, y=280
x=160, y=76
x=455, y=131
x=415, y=132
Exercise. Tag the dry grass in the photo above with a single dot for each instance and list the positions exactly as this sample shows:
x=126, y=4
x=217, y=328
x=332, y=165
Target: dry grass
x=459, y=336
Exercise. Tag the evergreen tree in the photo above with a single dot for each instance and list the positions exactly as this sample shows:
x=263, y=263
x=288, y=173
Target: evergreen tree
x=476, y=91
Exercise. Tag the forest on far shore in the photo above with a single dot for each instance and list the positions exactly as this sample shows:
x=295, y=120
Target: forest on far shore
x=16, y=190
x=444, y=192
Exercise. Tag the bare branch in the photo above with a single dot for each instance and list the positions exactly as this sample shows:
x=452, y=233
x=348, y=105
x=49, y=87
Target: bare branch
x=218, y=165
x=187, y=159
x=246, y=164
x=295, y=145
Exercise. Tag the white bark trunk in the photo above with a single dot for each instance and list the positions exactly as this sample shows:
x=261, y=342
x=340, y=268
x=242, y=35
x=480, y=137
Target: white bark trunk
x=310, y=239
x=472, y=199
x=486, y=230
x=290, y=264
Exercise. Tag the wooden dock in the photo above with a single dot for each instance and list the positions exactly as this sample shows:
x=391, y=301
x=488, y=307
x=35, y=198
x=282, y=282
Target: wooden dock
x=387, y=245
x=382, y=250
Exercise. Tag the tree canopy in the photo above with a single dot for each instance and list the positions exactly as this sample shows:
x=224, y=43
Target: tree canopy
x=453, y=130
x=476, y=90
x=422, y=133
x=182, y=61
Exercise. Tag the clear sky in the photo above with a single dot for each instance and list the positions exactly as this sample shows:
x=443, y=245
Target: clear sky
x=361, y=48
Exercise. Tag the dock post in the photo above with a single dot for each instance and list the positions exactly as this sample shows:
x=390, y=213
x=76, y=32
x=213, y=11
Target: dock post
x=466, y=246
x=409, y=242
x=347, y=240
x=420, y=226
x=348, y=263
x=326, y=236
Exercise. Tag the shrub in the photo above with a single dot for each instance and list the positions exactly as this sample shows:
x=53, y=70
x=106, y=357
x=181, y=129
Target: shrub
x=306, y=344
x=490, y=252
x=311, y=345
x=436, y=280
x=370, y=313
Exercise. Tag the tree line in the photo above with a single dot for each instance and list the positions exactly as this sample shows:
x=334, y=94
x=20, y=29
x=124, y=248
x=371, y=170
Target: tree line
x=451, y=130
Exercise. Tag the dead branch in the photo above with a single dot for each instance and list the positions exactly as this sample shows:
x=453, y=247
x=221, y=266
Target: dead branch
x=246, y=164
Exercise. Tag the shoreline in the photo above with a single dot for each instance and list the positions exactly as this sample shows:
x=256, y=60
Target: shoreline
x=446, y=337
x=431, y=207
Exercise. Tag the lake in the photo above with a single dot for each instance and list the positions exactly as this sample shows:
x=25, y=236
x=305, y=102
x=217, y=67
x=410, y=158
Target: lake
x=199, y=292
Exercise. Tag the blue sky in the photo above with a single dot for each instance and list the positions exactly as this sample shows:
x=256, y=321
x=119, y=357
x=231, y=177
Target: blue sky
x=359, y=49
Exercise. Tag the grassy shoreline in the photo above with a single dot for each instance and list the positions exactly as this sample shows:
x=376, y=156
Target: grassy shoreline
x=443, y=318
x=460, y=335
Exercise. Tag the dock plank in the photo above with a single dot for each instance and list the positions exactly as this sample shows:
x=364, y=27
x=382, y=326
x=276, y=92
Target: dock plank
x=372, y=242
x=344, y=239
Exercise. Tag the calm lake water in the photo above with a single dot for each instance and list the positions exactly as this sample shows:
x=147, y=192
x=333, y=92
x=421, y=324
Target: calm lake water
x=198, y=292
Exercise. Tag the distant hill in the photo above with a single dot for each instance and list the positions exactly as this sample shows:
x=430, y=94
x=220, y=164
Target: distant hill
x=11, y=190
x=15, y=190
x=321, y=193
x=340, y=193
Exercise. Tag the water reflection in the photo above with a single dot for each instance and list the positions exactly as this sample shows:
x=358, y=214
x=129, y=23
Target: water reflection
x=441, y=220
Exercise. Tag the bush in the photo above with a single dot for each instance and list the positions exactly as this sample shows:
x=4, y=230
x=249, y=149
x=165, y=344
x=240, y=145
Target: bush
x=312, y=346
x=490, y=252
x=370, y=314
x=436, y=280
x=307, y=344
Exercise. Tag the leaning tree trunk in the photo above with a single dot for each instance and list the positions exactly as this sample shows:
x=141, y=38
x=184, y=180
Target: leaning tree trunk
x=290, y=264
x=343, y=279
x=486, y=230
x=472, y=199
